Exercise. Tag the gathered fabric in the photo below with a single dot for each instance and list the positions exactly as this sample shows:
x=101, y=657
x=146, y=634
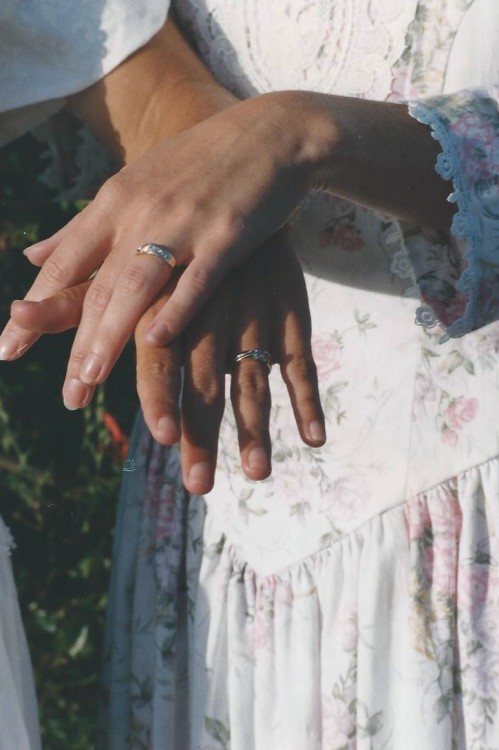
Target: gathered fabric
x=387, y=637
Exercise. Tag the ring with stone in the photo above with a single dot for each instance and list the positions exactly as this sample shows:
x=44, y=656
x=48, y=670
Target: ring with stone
x=260, y=355
x=160, y=251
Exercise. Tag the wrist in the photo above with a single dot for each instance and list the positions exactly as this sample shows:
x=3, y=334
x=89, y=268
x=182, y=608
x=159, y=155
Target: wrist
x=303, y=129
x=172, y=110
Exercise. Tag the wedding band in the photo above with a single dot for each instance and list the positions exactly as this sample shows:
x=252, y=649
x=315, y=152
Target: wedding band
x=260, y=355
x=160, y=251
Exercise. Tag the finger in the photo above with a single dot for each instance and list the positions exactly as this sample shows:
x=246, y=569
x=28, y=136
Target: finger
x=203, y=396
x=193, y=290
x=38, y=253
x=293, y=348
x=52, y=315
x=113, y=306
x=159, y=380
x=250, y=395
x=71, y=263
x=299, y=373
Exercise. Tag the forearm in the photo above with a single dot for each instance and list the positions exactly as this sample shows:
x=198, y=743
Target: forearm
x=373, y=153
x=156, y=93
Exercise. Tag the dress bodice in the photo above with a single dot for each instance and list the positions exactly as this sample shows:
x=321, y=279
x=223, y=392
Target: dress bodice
x=404, y=411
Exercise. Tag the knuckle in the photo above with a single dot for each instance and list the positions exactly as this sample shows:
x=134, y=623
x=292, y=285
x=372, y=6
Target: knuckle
x=156, y=370
x=55, y=270
x=133, y=280
x=201, y=278
x=252, y=382
x=97, y=296
x=112, y=193
x=302, y=366
x=228, y=227
x=206, y=388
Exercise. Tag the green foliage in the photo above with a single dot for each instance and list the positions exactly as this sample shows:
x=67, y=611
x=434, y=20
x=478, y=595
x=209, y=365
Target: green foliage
x=59, y=476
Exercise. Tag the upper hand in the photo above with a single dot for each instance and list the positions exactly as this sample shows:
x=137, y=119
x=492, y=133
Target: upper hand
x=211, y=194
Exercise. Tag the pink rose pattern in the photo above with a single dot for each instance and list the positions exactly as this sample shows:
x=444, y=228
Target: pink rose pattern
x=454, y=592
x=454, y=602
x=342, y=233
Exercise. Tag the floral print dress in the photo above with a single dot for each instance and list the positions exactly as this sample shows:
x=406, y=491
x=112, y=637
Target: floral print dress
x=352, y=599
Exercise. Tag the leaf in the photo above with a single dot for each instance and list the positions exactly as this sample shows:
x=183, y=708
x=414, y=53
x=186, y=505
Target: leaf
x=469, y=366
x=492, y=704
x=458, y=360
x=217, y=730
x=374, y=724
x=80, y=642
x=442, y=707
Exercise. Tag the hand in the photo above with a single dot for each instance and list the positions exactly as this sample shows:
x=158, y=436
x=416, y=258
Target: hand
x=262, y=304
x=202, y=193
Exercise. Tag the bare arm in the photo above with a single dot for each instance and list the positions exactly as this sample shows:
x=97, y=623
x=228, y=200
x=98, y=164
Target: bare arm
x=156, y=93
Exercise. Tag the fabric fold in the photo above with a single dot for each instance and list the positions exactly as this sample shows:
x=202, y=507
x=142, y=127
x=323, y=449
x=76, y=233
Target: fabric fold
x=384, y=638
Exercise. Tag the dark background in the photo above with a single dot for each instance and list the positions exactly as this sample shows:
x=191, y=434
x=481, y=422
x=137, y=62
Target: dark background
x=60, y=473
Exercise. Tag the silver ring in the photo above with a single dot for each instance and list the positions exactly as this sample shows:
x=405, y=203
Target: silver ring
x=260, y=355
x=160, y=251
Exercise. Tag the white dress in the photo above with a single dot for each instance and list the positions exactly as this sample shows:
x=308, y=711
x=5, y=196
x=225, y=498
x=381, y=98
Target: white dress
x=351, y=600
x=18, y=711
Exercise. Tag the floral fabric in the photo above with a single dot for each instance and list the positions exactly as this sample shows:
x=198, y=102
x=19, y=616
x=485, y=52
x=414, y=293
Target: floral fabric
x=350, y=600
x=467, y=126
x=386, y=637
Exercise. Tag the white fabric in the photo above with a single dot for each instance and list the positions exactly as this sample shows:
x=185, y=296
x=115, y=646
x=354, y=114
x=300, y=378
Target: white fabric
x=53, y=48
x=466, y=68
x=18, y=712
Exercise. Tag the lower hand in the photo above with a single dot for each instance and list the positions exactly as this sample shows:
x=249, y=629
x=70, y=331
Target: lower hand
x=263, y=304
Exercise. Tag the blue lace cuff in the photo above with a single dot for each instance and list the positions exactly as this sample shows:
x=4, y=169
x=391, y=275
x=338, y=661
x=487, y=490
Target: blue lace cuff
x=463, y=292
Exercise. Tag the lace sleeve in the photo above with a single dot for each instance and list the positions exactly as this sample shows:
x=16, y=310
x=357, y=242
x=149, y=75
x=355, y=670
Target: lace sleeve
x=461, y=285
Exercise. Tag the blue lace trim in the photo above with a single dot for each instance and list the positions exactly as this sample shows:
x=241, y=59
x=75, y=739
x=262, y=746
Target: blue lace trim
x=465, y=223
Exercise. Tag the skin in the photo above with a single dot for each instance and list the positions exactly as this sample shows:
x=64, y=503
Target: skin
x=203, y=193
x=172, y=91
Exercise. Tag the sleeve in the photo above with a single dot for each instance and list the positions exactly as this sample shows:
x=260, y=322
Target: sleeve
x=50, y=49
x=458, y=279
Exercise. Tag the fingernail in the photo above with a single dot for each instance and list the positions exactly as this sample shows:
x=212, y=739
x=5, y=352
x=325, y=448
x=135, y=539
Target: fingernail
x=34, y=247
x=200, y=475
x=157, y=334
x=9, y=345
x=75, y=394
x=91, y=369
x=167, y=427
x=257, y=459
x=316, y=431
